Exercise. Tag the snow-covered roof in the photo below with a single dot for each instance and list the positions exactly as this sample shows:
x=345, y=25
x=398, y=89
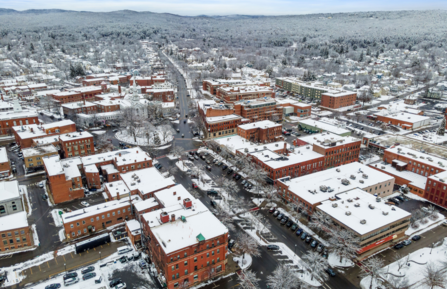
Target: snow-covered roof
x=324, y=126
x=325, y=139
x=419, y=157
x=146, y=180
x=236, y=142
x=134, y=227
x=173, y=196
x=75, y=136
x=96, y=209
x=308, y=187
x=179, y=234
x=275, y=161
x=259, y=124
x=339, y=93
x=74, y=105
x=415, y=179
x=132, y=154
x=117, y=187
x=35, y=151
x=3, y=155
x=146, y=204
x=403, y=116
x=110, y=169
x=69, y=167
x=91, y=169
x=9, y=190
x=217, y=119
x=13, y=221
x=11, y=115
x=352, y=207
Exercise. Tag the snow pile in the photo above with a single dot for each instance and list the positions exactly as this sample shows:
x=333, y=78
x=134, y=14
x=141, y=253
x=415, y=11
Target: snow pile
x=184, y=166
x=62, y=235
x=412, y=266
x=66, y=250
x=24, y=192
x=98, y=132
x=156, y=138
x=56, y=217
x=244, y=261
x=35, y=236
x=172, y=157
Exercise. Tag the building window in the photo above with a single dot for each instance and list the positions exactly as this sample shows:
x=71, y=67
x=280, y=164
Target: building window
x=186, y=272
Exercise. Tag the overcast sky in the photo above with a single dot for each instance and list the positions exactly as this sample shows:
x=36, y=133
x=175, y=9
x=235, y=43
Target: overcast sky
x=228, y=7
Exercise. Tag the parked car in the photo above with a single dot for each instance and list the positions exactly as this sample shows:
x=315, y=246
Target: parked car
x=320, y=248
x=85, y=204
x=243, y=182
x=224, y=167
x=398, y=246
x=314, y=244
x=416, y=238
x=303, y=235
x=89, y=276
x=308, y=239
x=213, y=203
x=299, y=231
x=294, y=227
x=289, y=223
x=272, y=247
x=194, y=186
x=406, y=242
x=70, y=275
x=284, y=221
x=212, y=193
x=88, y=269
x=276, y=213
x=208, y=168
x=238, y=177
x=230, y=171
x=272, y=210
x=280, y=216
x=115, y=282
x=330, y=271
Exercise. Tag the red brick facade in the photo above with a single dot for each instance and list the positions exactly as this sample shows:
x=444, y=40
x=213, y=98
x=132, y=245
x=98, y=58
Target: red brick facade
x=6, y=125
x=18, y=238
x=332, y=100
x=78, y=146
x=258, y=134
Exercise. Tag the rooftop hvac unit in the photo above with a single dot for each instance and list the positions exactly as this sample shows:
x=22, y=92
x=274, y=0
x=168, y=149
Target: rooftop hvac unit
x=323, y=188
x=371, y=207
x=357, y=205
x=276, y=145
x=422, y=157
x=350, y=200
x=361, y=181
x=378, y=200
x=111, y=185
x=256, y=149
x=338, y=170
x=132, y=184
x=363, y=222
x=442, y=180
x=382, y=167
x=365, y=176
x=345, y=182
x=334, y=205
x=385, y=213
x=352, y=177
x=307, y=147
x=246, y=150
x=347, y=213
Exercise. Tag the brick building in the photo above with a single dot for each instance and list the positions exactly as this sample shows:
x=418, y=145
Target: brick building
x=15, y=233
x=133, y=230
x=93, y=81
x=146, y=182
x=337, y=150
x=436, y=189
x=310, y=190
x=33, y=156
x=76, y=144
x=188, y=244
x=338, y=99
x=294, y=108
x=157, y=93
x=67, y=96
x=86, y=93
x=260, y=109
x=107, y=105
x=95, y=218
x=5, y=166
x=26, y=134
x=233, y=94
x=402, y=119
x=9, y=119
x=116, y=190
x=261, y=131
x=74, y=108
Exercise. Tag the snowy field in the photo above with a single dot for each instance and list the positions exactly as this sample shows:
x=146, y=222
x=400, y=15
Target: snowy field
x=409, y=269
x=142, y=140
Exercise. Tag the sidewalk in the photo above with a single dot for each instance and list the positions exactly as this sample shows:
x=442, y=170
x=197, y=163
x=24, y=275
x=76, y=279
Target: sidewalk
x=69, y=261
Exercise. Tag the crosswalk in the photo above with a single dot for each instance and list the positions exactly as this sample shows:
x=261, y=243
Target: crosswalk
x=5, y=257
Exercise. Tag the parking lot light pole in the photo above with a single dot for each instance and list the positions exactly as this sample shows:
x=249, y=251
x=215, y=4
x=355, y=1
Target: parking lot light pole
x=99, y=255
x=65, y=266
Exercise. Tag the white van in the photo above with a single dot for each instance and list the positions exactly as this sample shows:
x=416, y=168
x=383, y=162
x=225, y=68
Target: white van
x=71, y=281
x=123, y=250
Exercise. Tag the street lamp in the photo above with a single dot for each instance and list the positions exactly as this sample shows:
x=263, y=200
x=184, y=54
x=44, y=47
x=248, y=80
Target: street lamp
x=65, y=266
x=99, y=255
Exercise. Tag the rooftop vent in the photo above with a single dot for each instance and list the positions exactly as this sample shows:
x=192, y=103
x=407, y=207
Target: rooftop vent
x=357, y=205
x=350, y=200
x=345, y=182
x=348, y=213
x=334, y=205
x=338, y=170
x=371, y=207
x=361, y=181
x=352, y=177
x=363, y=222
x=323, y=188
x=385, y=213
x=365, y=176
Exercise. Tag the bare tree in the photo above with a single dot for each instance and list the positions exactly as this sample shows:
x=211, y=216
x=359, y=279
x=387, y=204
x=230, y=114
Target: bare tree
x=248, y=245
x=434, y=276
x=166, y=132
x=132, y=122
x=283, y=277
x=343, y=243
x=316, y=265
x=398, y=283
x=248, y=279
x=46, y=103
x=320, y=221
x=225, y=217
x=400, y=261
x=374, y=267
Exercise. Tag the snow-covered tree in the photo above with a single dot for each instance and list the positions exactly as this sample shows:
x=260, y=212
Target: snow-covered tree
x=248, y=245
x=248, y=279
x=434, y=277
x=374, y=267
x=283, y=277
x=343, y=243
x=316, y=264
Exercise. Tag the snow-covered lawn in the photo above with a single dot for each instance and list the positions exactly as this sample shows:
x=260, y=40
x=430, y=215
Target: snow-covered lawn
x=425, y=227
x=334, y=261
x=184, y=166
x=413, y=272
x=245, y=262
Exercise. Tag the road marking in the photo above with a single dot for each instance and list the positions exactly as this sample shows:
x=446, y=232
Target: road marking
x=55, y=259
x=31, y=270
x=71, y=255
x=48, y=264
x=64, y=258
x=40, y=269
x=284, y=236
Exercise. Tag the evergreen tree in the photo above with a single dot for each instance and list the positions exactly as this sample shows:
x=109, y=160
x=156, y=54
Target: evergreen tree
x=9, y=47
x=368, y=52
x=304, y=39
x=361, y=57
x=72, y=71
x=441, y=129
x=80, y=70
x=31, y=47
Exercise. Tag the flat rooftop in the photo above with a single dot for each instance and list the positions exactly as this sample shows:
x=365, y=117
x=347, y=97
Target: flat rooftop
x=403, y=116
x=236, y=142
x=339, y=93
x=264, y=124
x=146, y=180
x=217, y=119
x=414, y=179
x=13, y=221
x=146, y=204
x=173, y=196
x=3, y=155
x=276, y=161
x=117, y=187
x=354, y=207
x=327, y=139
x=324, y=126
x=9, y=190
x=179, y=234
x=431, y=160
x=41, y=150
x=319, y=186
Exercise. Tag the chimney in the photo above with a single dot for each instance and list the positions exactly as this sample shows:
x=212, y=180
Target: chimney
x=137, y=151
x=187, y=203
x=164, y=217
x=119, y=89
x=135, y=160
x=115, y=159
x=179, y=198
x=172, y=218
x=175, y=193
x=83, y=100
x=120, y=154
x=117, y=195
